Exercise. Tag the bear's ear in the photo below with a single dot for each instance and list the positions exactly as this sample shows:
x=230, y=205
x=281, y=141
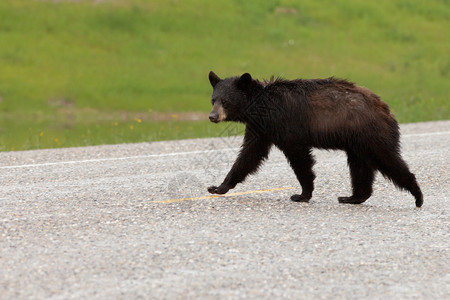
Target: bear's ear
x=244, y=81
x=213, y=78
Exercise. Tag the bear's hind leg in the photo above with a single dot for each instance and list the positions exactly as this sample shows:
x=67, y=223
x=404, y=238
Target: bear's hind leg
x=393, y=167
x=302, y=162
x=362, y=176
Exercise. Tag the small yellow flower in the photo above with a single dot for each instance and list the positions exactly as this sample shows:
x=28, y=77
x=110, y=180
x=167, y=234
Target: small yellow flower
x=41, y=133
x=131, y=127
x=174, y=116
x=56, y=140
x=138, y=120
x=116, y=123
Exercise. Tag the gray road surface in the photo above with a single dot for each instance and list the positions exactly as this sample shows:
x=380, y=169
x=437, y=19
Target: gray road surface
x=135, y=222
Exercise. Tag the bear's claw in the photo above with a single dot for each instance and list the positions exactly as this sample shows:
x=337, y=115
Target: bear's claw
x=352, y=200
x=301, y=198
x=218, y=190
x=212, y=189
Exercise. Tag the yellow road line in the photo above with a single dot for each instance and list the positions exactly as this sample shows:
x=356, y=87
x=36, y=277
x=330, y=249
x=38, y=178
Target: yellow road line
x=226, y=195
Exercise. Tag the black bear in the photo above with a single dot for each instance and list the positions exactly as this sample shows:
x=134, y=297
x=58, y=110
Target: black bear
x=298, y=115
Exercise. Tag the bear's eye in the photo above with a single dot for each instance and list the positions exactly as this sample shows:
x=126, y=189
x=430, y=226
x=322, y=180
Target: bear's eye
x=224, y=102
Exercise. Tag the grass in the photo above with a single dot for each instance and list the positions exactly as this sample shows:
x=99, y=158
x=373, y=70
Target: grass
x=69, y=70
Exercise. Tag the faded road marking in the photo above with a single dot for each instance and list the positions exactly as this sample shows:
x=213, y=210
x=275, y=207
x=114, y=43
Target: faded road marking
x=169, y=154
x=225, y=195
x=117, y=158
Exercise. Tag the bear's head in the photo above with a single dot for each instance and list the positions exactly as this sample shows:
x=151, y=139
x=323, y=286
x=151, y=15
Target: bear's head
x=229, y=98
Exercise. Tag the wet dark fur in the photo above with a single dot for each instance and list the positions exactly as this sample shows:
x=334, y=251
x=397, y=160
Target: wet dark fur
x=299, y=115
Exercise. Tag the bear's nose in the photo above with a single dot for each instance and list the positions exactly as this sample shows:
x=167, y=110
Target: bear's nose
x=213, y=117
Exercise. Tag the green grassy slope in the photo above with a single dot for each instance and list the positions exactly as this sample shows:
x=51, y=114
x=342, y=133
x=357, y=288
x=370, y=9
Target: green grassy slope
x=69, y=70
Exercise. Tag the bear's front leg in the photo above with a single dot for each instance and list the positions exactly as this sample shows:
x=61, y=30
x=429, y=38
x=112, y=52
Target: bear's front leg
x=301, y=161
x=253, y=151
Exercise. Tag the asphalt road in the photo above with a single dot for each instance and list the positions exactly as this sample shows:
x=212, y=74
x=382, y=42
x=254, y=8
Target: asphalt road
x=135, y=222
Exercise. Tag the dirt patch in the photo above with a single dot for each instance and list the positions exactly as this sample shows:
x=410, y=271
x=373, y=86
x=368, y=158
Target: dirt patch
x=61, y=102
x=285, y=11
x=67, y=111
x=164, y=116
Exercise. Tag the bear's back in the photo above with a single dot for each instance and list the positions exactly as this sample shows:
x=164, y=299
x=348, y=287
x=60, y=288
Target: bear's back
x=331, y=107
x=343, y=106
